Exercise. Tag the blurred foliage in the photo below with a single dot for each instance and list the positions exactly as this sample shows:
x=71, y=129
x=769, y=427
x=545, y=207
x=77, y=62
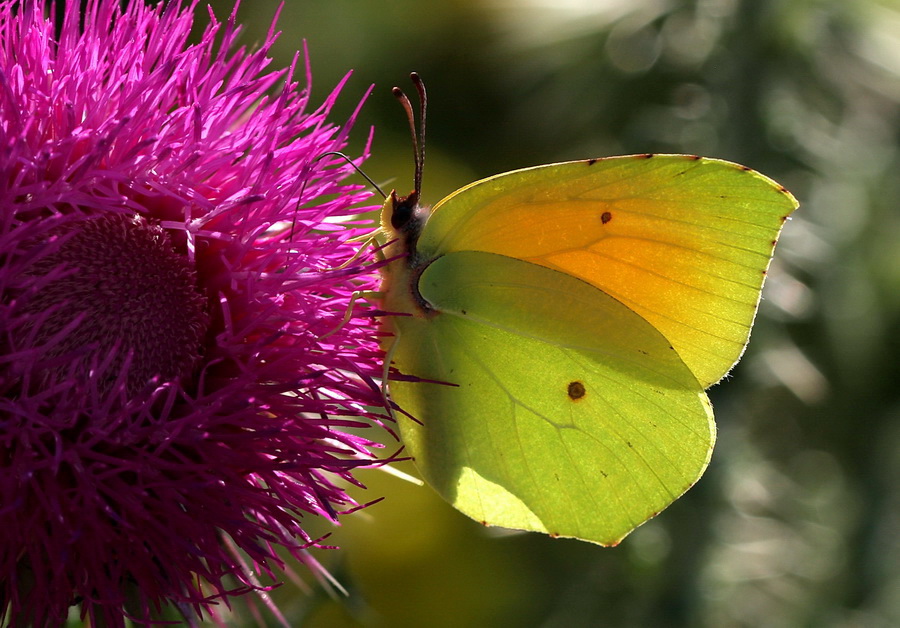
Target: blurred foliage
x=796, y=522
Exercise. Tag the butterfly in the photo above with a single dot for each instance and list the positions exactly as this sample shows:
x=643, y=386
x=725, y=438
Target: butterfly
x=553, y=330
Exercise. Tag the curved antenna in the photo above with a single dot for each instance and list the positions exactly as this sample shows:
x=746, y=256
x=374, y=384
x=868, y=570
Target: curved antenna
x=359, y=170
x=335, y=153
x=418, y=137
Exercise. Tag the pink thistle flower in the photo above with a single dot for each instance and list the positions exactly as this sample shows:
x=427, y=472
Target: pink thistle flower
x=178, y=386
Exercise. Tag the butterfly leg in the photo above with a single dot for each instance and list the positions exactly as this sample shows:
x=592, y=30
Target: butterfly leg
x=348, y=313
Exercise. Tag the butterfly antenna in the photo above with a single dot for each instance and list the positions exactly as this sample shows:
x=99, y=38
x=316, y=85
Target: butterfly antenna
x=418, y=138
x=423, y=106
x=330, y=153
x=355, y=167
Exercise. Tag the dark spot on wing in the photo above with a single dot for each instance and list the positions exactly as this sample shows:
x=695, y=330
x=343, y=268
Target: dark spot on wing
x=605, y=217
x=576, y=390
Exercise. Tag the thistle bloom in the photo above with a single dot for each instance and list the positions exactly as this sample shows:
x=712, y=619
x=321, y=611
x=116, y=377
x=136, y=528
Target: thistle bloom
x=178, y=381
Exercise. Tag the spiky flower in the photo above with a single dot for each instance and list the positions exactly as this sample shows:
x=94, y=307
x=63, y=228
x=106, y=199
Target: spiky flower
x=177, y=383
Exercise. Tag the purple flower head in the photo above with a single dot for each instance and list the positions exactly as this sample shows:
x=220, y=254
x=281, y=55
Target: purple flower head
x=178, y=384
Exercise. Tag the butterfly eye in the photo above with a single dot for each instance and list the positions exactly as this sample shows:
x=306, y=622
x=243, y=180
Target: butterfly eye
x=404, y=209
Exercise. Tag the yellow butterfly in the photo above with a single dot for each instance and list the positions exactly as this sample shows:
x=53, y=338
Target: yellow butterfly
x=564, y=321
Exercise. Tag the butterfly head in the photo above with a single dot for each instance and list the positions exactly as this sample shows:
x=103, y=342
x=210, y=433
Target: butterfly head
x=402, y=217
x=402, y=220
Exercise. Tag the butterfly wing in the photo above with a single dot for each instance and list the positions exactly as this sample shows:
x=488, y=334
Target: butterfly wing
x=562, y=410
x=683, y=241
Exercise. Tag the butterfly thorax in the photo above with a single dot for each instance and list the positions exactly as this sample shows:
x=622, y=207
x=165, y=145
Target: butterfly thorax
x=402, y=221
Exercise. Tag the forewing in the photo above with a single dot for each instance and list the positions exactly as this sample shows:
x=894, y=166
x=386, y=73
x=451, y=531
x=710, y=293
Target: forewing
x=683, y=241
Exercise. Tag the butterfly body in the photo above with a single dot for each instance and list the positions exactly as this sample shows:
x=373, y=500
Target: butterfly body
x=402, y=221
x=563, y=322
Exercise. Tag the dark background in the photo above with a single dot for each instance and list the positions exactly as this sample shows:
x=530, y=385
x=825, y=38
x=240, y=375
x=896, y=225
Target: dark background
x=796, y=521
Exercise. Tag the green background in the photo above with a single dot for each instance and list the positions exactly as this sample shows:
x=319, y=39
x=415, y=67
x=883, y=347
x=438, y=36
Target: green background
x=796, y=521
